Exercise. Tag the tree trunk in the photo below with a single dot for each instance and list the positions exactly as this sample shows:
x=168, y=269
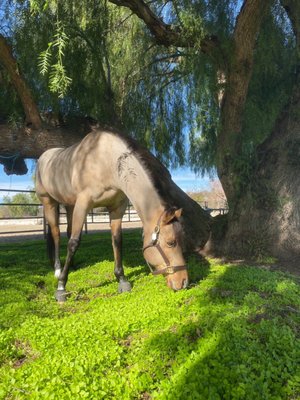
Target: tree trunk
x=237, y=77
x=264, y=214
x=265, y=218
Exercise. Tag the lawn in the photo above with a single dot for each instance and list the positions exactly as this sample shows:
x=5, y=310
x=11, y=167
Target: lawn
x=234, y=334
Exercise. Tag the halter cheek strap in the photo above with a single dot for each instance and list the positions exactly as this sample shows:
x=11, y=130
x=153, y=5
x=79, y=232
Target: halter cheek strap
x=168, y=269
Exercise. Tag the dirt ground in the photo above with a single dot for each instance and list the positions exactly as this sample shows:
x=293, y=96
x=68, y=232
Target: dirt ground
x=31, y=232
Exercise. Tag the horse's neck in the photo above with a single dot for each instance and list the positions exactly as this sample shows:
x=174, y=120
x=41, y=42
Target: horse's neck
x=136, y=184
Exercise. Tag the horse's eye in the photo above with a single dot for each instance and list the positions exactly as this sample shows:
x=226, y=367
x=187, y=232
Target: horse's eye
x=171, y=243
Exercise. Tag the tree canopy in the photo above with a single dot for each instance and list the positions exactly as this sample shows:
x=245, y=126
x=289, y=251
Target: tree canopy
x=95, y=59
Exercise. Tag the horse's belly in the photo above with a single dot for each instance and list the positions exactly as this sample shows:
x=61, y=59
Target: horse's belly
x=62, y=193
x=109, y=198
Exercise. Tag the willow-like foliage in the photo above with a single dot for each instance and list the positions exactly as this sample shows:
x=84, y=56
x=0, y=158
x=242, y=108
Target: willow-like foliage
x=92, y=58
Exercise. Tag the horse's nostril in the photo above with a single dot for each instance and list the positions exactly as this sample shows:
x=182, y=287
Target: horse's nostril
x=185, y=283
x=174, y=287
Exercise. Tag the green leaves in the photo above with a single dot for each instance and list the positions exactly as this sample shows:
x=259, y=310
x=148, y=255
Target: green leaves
x=45, y=59
x=233, y=335
x=59, y=81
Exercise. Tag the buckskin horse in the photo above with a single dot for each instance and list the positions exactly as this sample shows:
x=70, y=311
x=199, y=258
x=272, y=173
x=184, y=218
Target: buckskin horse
x=106, y=169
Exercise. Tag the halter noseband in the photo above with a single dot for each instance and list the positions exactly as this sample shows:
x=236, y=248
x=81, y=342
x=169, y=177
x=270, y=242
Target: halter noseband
x=169, y=269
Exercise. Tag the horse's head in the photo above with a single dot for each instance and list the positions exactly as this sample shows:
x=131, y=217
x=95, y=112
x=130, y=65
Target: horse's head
x=163, y=251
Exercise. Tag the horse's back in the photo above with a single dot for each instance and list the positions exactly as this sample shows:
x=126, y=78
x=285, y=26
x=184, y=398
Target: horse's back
x=86, y=168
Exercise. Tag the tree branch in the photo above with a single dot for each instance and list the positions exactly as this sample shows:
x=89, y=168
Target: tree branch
x=24, y=142
x=9, y=63
x=165, y=34
x=30, y=144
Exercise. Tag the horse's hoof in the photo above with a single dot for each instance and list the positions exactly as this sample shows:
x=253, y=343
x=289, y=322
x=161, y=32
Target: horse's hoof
x=124, y=287
x=61, y=296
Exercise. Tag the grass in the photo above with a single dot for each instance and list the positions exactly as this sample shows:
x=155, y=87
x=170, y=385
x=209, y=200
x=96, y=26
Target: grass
x=233, y=335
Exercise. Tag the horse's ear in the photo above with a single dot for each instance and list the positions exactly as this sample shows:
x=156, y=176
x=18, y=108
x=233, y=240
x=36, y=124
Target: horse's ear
x=178, y=213
x=172, y=213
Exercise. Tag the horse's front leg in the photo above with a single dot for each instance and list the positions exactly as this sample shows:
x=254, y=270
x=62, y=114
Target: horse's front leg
x=79, y=215
x=116, y=233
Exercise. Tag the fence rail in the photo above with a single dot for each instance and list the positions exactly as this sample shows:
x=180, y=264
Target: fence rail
x=96, y=216
x=93, y=217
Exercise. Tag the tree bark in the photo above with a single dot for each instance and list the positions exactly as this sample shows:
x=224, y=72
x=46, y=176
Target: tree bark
x=237, y=82
x=11, y=66
x=25, y=142
x=30, y=143
x=266, y=218
x=196, y=222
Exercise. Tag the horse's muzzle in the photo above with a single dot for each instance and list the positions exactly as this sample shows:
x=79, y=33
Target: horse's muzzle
x=176, y=285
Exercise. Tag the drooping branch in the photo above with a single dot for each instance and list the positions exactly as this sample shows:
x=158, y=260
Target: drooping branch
x=10, y=64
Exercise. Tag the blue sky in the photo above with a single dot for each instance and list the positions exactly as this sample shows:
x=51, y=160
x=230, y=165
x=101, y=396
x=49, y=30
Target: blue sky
x=183, y=177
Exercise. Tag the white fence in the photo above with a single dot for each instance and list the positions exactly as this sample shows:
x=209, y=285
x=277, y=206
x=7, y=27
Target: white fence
x=36, y=223
x=10, y=225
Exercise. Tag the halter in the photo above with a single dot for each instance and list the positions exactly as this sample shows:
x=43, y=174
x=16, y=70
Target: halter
x=169, y=269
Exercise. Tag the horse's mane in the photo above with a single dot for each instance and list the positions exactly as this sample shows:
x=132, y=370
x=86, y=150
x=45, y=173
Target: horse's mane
x=157, y=172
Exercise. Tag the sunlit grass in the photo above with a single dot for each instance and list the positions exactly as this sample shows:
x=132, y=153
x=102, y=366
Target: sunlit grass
x=233, y=335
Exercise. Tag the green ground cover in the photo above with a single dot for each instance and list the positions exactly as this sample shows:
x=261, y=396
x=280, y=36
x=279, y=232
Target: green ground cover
x=235, y=334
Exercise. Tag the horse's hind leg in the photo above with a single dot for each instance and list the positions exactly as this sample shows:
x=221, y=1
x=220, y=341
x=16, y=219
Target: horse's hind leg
x=79, y=214
x=69, y=210
x=116, y=233
x=53, y=239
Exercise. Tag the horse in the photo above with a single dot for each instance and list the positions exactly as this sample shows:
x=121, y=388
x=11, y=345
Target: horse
x=107, y=169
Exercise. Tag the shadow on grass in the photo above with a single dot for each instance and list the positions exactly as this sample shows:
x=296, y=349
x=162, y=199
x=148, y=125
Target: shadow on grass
x=97, y=247
x=24, y=267
x=20, y=261
x=26, y=274
x=225, y=353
